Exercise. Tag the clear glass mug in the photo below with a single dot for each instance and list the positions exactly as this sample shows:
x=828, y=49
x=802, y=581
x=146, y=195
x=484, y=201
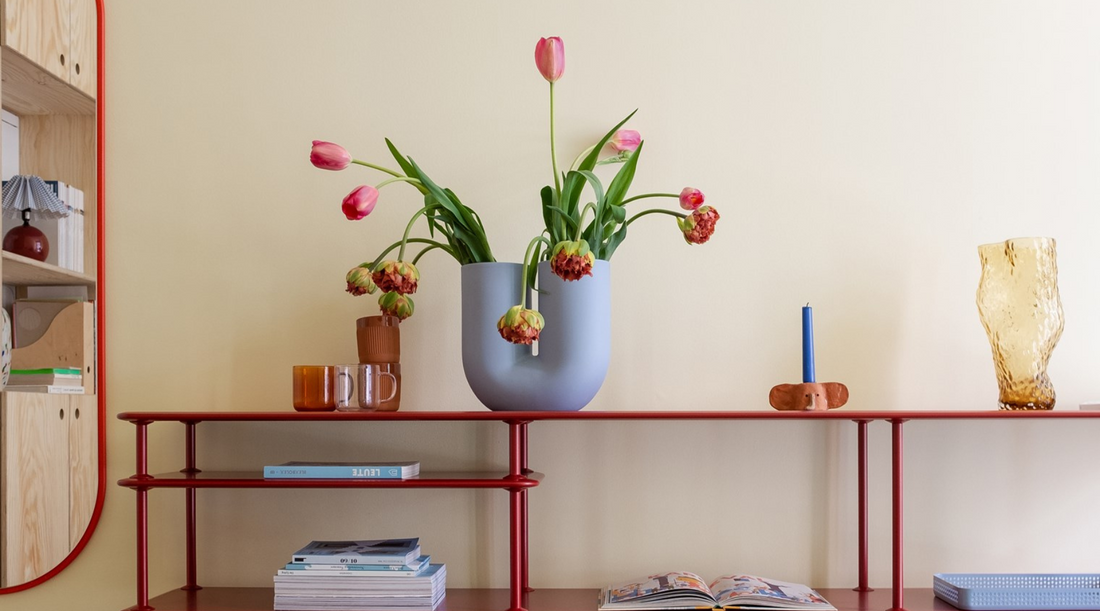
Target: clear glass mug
x=379, y=386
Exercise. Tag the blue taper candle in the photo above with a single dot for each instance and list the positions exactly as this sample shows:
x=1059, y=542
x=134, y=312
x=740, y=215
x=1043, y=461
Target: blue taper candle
x=808, y=344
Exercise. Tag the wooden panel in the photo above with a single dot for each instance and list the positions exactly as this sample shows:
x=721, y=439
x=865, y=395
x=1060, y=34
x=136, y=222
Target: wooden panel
x=39, y=30
x=35, y=482
x=31, y=90
x=63, y=148
x=68, y=342
x=83, y=463
x=82, y=46
x=22, y=271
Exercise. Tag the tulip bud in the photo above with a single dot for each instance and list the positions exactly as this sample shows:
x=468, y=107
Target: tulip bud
x=397, y=276
x=360, y=202
x=572, y=260
x=699, y=226
x=360, y=281
x=329, y=156
x=396, y=304
x=520, y=325
x=691, y=199
x=625, y=140
x=550, y=58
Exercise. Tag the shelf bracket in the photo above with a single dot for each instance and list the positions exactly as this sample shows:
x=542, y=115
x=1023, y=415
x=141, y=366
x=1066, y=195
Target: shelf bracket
x=898, y=537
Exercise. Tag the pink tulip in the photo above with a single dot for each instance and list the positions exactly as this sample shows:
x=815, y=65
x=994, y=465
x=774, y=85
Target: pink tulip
x=550, y=58
x=360, y=202
x=625, y=140
x=691, y=199
x=329, y=156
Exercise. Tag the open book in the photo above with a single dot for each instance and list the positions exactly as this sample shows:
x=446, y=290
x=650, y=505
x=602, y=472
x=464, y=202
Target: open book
x=689, y=591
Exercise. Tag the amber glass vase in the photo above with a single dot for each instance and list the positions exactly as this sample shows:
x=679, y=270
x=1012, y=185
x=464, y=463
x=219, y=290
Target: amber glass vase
x=1022, y=314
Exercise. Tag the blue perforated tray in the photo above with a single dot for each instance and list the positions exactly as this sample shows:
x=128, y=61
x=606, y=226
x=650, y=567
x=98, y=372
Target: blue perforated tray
x=1010, y=591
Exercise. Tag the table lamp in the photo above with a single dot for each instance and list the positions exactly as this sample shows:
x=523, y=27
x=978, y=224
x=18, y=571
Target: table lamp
x=28, y=197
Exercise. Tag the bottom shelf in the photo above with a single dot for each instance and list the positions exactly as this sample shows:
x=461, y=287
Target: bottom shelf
x=262, y=599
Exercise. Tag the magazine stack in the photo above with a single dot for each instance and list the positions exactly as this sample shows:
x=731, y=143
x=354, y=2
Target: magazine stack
x=380, y=575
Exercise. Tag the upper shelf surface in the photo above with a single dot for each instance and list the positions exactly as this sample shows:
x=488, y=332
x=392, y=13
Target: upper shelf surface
x=23, y=271
x=838, y=414
x=28, y=89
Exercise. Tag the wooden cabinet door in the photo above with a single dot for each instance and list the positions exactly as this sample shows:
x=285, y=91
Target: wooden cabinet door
x=83, y=463
x=34, y=446
x=82, y=46
x=40, y=30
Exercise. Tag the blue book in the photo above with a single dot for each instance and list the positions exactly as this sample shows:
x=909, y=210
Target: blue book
x=381, y=551
x=343, y=470
x=417, y=567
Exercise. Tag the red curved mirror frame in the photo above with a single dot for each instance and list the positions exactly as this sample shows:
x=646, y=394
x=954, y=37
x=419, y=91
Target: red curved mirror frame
x=101, y=319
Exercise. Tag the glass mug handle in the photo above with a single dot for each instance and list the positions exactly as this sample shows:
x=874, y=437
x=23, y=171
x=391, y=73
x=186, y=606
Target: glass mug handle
x=393, y=388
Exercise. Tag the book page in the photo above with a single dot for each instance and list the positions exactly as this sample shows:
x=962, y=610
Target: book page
x=759, y=591
x=658, y=586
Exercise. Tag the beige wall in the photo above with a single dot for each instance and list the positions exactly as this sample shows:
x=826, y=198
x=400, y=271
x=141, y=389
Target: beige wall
x=858, y=152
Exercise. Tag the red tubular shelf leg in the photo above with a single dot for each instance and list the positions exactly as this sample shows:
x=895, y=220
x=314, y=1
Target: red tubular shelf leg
x=189, y=505
x=524, y=525
x=142, y=457
x=896, y=476
x=864, y=552
x=516, y=521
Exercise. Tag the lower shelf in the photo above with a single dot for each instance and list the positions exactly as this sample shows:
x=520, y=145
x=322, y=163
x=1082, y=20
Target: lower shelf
x=262, y=599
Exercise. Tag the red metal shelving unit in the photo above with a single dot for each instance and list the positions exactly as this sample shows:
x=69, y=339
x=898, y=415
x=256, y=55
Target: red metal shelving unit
x=516, y=481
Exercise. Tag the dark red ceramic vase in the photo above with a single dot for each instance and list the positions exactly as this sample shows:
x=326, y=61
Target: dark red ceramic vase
x=27, y=241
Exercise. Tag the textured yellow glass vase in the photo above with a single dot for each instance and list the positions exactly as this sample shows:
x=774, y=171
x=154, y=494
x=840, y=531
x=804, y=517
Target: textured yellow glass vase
x=1022, y=314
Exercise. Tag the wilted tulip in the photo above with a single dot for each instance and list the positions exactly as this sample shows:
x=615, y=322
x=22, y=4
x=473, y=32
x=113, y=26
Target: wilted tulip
x=572, y=260
x=397, y=276
x=360, y=281
x=520, y=325
x=396, y=304
x=550, y=58
x=329, y=156
x=360, y=202
x=699, y=226
x=691, y=199
x=625, y=140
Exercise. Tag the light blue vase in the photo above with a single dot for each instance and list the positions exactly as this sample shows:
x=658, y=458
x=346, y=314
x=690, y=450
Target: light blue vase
x=574, y=347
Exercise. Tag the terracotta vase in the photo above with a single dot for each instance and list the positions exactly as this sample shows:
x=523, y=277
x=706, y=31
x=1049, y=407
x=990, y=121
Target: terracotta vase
x=1021, y=311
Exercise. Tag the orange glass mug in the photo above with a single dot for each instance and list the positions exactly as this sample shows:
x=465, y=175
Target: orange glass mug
x=314, y=388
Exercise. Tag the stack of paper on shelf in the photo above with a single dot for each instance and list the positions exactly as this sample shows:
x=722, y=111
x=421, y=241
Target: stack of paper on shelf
x=377, y=575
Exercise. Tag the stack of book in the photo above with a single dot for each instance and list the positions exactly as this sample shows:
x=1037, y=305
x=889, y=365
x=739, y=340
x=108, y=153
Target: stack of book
x=58, y=381
x=360, y=576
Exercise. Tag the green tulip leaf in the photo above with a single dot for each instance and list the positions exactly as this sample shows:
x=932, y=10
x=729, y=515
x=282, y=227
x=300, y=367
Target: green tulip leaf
x=621, y=183
x=618, y=213
x=613, y=243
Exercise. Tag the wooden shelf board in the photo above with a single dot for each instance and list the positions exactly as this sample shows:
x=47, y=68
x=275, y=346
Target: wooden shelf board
x=22, y=271
x=253, y=479
x=30, y=90
x=262, y=599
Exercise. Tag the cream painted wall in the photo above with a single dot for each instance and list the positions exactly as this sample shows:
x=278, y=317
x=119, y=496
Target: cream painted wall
x=858, y=152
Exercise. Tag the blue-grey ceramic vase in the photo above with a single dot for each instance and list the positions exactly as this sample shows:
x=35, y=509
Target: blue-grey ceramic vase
x=574, y=348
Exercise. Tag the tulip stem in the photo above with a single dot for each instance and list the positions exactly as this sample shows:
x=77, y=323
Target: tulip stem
x=655, y=211
x=553, y=150
x=526, y=265
x=584, y=153
x=636, y=197
x=398, y=179
x=433, y=247
x=374, y=264
x=377, y=167
x=408, y=229
x=580, y=221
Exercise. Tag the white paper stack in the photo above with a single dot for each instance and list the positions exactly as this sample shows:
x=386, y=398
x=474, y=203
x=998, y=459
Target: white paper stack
x=361, y=591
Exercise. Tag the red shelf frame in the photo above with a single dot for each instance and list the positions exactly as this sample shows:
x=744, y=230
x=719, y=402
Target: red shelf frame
x=517, y=481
